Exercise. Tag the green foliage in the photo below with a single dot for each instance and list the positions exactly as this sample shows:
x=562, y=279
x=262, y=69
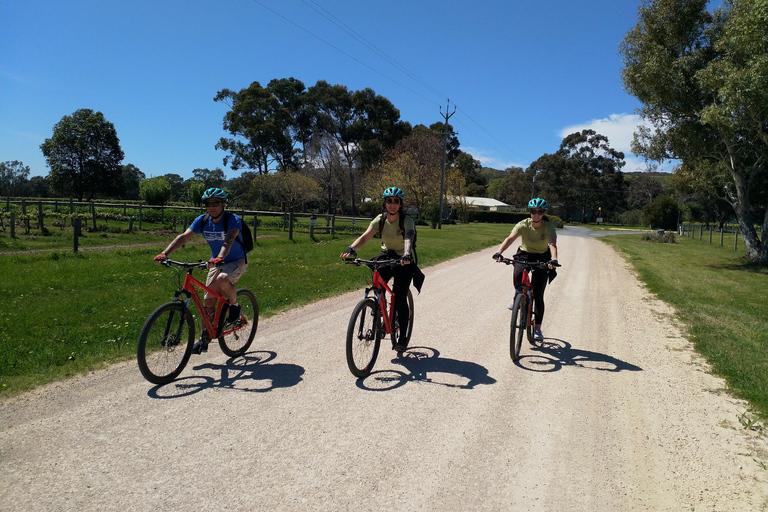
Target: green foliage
x=720, y=299
x=662, y=213
x=155, y=191
x=84, y=155
x=196, y=189
x=12, y=176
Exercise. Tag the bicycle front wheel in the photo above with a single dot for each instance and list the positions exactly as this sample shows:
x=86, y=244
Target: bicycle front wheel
x=165, y=343
x=237, y=337
x=363, y=338
x=396, y=327
x=517, y=326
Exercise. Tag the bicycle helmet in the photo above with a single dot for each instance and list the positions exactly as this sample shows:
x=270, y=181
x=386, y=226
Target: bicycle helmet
x=538, y=202
x=214, y=192
x=393, y=192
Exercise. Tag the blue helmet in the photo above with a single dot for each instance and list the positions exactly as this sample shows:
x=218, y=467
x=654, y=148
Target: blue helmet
x=214, y=192
x=393, y=192
x=538, y=202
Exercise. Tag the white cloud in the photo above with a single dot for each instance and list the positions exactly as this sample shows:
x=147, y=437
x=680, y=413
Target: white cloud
x=489, y=161
x=619, y=128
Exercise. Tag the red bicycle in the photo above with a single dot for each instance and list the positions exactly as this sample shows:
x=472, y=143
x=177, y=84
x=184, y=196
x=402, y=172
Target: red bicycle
x=523, y=314
x=372, y=317
x=165, y=341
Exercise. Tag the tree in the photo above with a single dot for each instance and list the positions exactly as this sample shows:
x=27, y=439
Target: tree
x=328, y=170
x=515, y=188
x=130, y=179
x=362, y=124
x=179, y=186
x=155, y=191
x=84, y=155
x=701, y=78
x=13, y=177
x=662, y=212
x=470, y=170
x=288, y=189
x=195, y=194
x=210, y=178
x=415, y=165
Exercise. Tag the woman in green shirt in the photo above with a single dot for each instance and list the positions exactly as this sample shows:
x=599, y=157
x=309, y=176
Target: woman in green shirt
x=539, y=243
x=397, y=232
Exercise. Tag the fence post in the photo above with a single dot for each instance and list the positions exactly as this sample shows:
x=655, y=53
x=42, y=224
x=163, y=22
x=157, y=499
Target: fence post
x=290, y=224
x=701, y=231
x=130, y=225
x=710, y=235
x=312, y=222
x=255, y=223
x=56, y=205
x=77, y=231
x=333, y=224
x=93, y=212
x=13, y=224
x=139, y=216
x=40, y=215
x=125, y=208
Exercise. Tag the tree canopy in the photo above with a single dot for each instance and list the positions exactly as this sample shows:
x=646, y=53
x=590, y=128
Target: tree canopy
x=84, y=155
x=702, y=78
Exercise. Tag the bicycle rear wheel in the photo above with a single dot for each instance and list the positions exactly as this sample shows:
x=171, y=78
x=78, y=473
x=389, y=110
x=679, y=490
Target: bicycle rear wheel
x=165, y=343
x=396, y=327
x=363, y=338
x=517, y=326
x=237, y=337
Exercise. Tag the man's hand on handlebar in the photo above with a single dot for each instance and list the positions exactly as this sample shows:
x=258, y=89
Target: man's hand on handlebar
x=498, y=257
x=350, y=251
x=213, y=262
x=160, y=258
x=405, y=259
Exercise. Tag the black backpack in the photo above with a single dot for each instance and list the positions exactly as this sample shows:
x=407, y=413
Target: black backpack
x=245, y=232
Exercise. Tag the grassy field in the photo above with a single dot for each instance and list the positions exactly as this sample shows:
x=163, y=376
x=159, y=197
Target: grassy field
x=720, y=297
x=64, y=313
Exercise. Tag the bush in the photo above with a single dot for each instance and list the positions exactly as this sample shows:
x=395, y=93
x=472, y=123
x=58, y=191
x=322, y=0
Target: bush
x=662, y=213
x=155, y=191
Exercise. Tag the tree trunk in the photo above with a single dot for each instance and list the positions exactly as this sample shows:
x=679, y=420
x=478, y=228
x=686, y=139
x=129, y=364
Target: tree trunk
x=757, y=251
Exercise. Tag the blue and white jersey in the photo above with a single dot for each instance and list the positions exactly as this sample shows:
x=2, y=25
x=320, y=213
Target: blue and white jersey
x=214, y=234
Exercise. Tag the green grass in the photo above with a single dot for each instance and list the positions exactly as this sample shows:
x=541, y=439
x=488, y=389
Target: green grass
x=64, y=314
x=720, y=297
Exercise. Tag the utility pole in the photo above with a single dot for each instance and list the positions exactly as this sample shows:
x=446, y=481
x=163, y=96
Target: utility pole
x=445, y=116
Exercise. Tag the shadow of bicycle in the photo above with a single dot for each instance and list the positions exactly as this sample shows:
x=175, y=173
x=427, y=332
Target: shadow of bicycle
x=424, y=365
x=249, y=373
x=553, y=354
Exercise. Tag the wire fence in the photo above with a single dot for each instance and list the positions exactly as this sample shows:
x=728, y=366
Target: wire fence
x=727, y=236
x=39, y=217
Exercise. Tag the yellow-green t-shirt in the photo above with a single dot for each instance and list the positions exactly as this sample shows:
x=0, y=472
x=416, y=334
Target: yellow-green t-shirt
x=534, y=240
x=391, y=236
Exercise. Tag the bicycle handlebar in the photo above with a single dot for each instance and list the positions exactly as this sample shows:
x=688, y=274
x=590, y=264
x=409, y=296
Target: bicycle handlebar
x=528, y=264
x=187, y=265
x=372, y=263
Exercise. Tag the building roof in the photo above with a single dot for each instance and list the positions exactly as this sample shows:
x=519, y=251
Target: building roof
x=486, y=202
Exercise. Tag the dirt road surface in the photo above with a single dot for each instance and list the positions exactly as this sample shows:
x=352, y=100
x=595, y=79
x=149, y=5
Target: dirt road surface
x=614, y=412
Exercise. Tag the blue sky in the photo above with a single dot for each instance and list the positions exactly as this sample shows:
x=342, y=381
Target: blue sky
x=522, y=74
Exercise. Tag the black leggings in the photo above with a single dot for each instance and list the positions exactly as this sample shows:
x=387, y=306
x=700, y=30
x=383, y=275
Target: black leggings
x=539, y=280
x=403, y=275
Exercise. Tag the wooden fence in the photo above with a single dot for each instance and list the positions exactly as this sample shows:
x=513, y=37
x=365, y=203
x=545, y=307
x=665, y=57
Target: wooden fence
x=701, y=232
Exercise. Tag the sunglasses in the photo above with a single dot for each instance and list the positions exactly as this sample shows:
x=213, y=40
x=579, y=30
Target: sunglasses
x=391, y=200
x=537, y=212
x=213, y=203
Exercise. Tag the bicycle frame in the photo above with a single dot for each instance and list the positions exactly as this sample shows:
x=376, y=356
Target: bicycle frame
x=381, y=289
x=190, y=290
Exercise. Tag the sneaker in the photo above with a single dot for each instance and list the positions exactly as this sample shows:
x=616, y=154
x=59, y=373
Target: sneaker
x=537, y=335
x=511, y=305
x=200, y=346
x=234, y=314
x=399, y=347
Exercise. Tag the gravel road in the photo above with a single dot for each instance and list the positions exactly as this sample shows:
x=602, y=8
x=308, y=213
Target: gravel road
x=614, y=412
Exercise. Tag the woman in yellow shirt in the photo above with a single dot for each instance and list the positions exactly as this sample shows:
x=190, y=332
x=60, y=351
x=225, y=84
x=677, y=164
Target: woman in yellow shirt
x=397, y=232
x=538, y=243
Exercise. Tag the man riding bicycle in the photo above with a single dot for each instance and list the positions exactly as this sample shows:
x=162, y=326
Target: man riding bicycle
x=226, y=248
x=538, y=244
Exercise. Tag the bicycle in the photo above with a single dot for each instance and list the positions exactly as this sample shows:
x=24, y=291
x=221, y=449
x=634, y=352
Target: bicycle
x=523, y=314
x=371, y=318
x=165, y=341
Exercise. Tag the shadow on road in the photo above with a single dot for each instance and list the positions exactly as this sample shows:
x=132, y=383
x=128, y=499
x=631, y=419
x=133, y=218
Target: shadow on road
x=552, y=354
x=424, y=364
x=248, y=373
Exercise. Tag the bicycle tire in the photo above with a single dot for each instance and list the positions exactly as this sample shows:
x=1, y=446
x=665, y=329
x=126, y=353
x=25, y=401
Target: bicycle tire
x=235, y=343
x=517, y=326
x=165, y=343
x=396, y=327
x=363, y=338
x=531, y=323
